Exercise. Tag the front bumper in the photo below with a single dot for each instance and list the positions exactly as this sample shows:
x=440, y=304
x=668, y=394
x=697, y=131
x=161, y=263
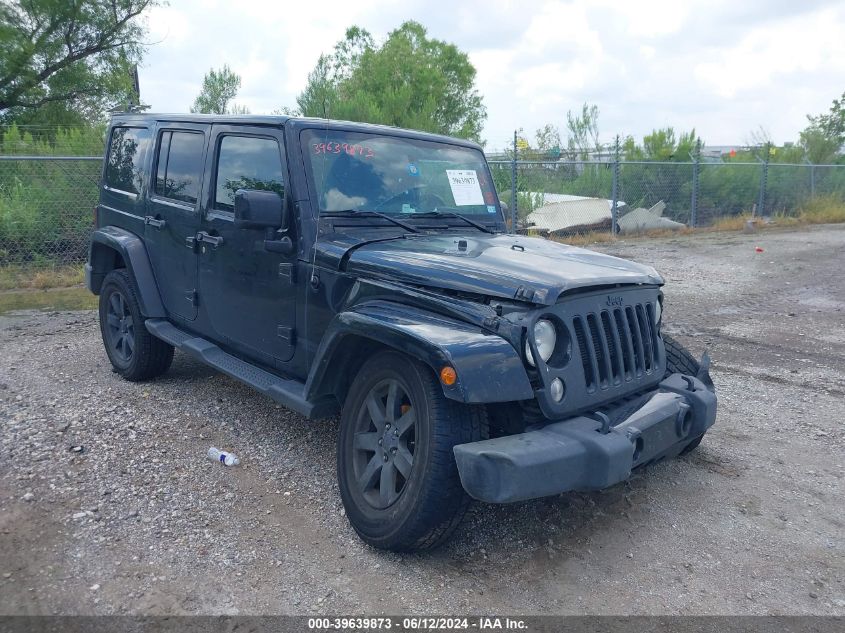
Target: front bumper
x=585, y=452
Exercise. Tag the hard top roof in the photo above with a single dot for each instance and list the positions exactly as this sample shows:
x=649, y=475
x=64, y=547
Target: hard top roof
x=279, y=120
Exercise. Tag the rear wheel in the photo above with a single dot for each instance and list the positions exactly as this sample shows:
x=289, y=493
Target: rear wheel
x=396, y=470
x=134, y=353
x=680, y=361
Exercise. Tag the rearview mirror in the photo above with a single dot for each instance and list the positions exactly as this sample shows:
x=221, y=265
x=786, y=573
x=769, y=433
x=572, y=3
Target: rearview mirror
x=255, y=209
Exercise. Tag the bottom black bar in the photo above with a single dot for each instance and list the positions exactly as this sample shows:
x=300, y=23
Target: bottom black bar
x=410, y=624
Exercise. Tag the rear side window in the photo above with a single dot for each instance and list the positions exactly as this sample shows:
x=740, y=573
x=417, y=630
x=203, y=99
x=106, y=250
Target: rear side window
x=125, y=162
x=247, y=162
x=179, y=169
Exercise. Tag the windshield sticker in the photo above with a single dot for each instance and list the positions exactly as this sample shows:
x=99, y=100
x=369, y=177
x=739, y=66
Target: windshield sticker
x=349, y=148
x=466, y=189
x=491, y=208
x=407, y=208
x=413, y=170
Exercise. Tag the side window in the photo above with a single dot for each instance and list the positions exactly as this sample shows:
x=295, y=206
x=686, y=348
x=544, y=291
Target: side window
x=247, y=162
x=179, y=168
x=125, y=161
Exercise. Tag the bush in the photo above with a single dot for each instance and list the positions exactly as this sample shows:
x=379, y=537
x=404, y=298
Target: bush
x=45, y=205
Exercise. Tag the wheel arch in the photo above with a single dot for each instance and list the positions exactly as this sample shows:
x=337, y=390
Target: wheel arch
x=112, y=248
x=488, y=368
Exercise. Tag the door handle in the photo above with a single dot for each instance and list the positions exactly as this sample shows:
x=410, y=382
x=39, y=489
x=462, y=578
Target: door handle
x=155, y=222
x=214, y=240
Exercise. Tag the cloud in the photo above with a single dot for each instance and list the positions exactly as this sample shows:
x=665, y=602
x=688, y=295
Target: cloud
x=765, y=56
x=721, y=66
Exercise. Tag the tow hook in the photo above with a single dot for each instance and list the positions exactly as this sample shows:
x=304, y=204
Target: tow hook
x=605, y=422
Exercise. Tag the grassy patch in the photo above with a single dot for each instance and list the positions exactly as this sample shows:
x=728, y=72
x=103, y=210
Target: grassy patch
x=77, y=298
x=823, y=210
x=15, y=277
x=732, y=223
x=601, y=237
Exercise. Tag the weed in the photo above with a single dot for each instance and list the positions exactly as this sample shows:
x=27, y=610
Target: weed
x=13, y=277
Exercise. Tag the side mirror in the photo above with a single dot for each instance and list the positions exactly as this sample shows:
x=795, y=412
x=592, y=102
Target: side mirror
x=255, y=209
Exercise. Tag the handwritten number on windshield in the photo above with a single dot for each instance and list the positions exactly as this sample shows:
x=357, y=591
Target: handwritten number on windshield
x=349, y=148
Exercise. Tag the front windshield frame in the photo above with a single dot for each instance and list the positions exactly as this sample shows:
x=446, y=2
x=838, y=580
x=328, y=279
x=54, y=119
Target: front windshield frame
x=493, y=219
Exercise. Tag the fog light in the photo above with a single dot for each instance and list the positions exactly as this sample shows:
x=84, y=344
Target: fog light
x=556, y=389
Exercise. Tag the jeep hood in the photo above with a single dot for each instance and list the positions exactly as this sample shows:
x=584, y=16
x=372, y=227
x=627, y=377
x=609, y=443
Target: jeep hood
x=504, y=266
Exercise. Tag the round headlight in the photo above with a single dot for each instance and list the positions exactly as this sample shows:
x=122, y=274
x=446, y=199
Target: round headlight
x=545, y=337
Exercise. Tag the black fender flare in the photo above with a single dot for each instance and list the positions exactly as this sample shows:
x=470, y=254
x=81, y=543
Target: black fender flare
x=107, y=243
x=488, y=368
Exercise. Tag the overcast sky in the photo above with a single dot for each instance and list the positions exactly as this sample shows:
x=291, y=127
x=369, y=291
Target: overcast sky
x=725, y=67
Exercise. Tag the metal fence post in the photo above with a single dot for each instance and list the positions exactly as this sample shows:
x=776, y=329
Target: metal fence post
x=513, y=185
x=764, y=179
x=696, y=159
x=614, y=207
x=812, y=177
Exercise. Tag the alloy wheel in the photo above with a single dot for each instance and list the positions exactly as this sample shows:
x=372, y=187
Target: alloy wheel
x=384, y=443
x=121, y=328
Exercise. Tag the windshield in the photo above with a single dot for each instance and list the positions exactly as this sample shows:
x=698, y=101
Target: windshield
x=395, y=175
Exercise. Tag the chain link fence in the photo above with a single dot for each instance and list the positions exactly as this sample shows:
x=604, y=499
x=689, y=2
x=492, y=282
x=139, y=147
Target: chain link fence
x=563, y=198
x=46, y=202
x=46, y=209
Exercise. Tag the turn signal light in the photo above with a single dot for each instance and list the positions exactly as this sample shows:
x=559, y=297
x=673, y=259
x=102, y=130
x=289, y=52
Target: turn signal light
x=448, y=376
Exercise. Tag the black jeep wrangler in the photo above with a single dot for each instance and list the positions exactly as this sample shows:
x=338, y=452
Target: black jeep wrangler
x=366, y=271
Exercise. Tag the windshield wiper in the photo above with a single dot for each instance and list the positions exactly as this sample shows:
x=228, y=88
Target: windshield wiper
x=452, y=214
x=370, y=214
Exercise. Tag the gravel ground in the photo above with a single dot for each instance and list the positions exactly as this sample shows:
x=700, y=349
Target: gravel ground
x=108, y=503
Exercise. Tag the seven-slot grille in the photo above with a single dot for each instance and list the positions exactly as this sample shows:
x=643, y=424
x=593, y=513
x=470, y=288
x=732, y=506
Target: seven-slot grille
x=617, y=345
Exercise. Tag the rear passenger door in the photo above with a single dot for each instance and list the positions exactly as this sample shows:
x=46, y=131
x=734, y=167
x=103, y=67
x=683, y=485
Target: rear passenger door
x=173, y=216
x=246, y=291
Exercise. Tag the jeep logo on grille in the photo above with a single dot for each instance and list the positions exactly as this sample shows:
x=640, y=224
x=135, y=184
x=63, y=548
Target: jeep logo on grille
x=614, y=301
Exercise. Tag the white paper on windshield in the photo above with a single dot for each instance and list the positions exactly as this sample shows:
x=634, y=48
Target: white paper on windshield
x=465, y=187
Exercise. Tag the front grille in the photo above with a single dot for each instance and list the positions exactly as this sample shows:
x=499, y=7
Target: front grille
x=617, y=345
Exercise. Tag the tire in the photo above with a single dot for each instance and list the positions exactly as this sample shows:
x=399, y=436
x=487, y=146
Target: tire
x=134, y=353
x=679, y=360
x=401, y=489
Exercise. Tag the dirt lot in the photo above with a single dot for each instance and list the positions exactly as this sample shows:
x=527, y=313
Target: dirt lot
x=139, y=521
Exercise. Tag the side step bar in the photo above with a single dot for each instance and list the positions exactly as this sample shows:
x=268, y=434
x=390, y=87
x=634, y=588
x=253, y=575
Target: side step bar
x=290, y=393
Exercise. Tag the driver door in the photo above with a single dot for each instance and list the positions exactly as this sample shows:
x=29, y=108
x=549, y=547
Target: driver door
x=248, y=292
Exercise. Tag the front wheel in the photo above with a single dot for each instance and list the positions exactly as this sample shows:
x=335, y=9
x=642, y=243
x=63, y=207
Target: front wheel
x=396, y=471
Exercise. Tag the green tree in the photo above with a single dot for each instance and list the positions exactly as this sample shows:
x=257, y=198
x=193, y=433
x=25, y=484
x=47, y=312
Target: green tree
x=410, y=81
x=219, y=87
x=583, y=131
x=661, y=145
x=832, y=124
x=824, y=137
x=320, y=95
x=548, y=139
x=71, y=59
x=819, y=148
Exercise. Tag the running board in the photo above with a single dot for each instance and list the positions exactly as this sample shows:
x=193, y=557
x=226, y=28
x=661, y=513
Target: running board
x=290, y=393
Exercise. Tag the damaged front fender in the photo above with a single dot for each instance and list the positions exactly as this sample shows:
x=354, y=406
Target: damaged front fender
x=488, y=368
